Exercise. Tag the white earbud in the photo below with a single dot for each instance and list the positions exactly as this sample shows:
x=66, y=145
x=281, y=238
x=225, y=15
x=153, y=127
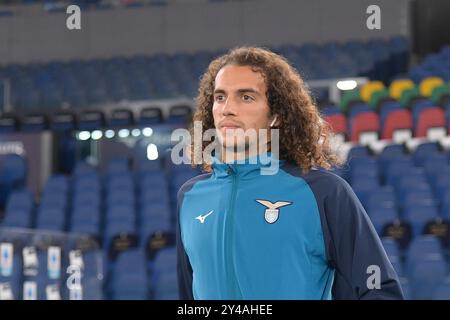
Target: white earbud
x=273, y=121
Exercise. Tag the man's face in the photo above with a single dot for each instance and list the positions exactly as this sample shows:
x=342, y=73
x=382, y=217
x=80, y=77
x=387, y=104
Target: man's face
x=239, y=102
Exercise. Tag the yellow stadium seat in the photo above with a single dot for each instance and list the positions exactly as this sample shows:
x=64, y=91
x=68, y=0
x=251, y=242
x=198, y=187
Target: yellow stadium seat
x=428, y=84
x=369, y=88
x=398, y=86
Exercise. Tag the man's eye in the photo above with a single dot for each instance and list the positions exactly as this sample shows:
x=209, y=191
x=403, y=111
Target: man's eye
x=247, y=98
x=219, y=98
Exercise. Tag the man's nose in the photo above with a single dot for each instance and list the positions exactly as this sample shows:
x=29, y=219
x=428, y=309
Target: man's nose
x=229, y=108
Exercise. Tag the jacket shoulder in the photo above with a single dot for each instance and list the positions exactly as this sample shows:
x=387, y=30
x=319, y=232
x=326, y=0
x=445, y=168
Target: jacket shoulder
x=320, y=180
x=189, y=184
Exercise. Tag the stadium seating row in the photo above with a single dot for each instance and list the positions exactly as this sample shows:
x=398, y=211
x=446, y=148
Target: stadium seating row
x=86, y=83
x=93, y=119
x=119, y=209
x=399, y=113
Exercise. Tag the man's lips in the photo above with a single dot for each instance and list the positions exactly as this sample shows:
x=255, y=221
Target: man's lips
x=229, y=125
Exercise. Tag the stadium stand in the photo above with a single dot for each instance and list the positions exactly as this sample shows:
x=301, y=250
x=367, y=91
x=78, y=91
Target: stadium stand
x=115, y=220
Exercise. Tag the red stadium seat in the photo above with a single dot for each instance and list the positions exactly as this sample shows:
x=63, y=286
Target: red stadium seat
x=396, y=120
x=430, y=118
x=364, y=122
x=338, y=123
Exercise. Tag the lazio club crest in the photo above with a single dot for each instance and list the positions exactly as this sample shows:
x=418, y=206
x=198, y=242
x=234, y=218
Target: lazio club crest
x=272, y=212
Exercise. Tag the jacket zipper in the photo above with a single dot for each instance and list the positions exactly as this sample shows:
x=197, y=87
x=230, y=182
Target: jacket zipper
x=230, y=237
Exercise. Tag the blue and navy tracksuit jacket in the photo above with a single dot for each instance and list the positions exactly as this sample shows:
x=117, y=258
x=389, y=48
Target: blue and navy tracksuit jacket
x=243, y=235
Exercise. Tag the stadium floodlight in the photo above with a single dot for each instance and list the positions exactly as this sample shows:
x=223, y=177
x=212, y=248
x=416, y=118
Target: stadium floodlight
x=147, y=132
x=96, y=134
x=346, y=84
x=124, y=133
x=84, y=135
x=135, y=132
x=110, y=134
x=152, y=152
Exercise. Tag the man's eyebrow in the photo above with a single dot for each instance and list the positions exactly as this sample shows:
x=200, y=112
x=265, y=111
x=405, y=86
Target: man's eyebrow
x=242, y=90
x=248, y=90
x=219, y=91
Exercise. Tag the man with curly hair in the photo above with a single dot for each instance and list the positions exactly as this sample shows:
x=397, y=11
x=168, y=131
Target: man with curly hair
x=299, y=233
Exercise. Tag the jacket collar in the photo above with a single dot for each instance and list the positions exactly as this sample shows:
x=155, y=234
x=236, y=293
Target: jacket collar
x=256, y=165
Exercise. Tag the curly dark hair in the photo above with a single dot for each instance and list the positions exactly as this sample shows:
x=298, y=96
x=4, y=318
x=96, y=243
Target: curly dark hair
x=304, y=135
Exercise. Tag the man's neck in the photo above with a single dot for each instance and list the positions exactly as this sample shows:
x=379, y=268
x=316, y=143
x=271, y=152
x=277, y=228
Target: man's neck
x=229, y=155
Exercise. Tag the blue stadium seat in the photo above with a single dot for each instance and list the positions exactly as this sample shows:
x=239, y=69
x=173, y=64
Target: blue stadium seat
x=418, y=197
x=82, y=169
x=20, y=199
x=34, y=123
x=54, y=200
x=154, y=210
x=368, y=168
x=130, y=279
x=433, y=166
x=115, y=198
x=153, y=181
x=390, y=152
x=120, y=182
x=426, y=275
x=88, y=184
x=150, y=227
x=157, y=196
x=441, y=181
x=380, y=217
x=358, y=152
x=145, y=166
x=118, y=226
x=85, y=219
x=391, y=247
x=130, y=286
x=118, y=165
x=419, y=215
x=120, y=211
x=411, y=181
x=51, y=219
x=8, y=123
x=121, y=118
x=442, y=291
x=166, y=287
x=17, y=218
x=150, y=116
x=164, y=275
x=57, y=183
x=419, y=194
x=85, y=226
x=424, y=247
x=424, y=151
x=381, y=198
x=13, y=174
x=445, y=205
x=364, y=188
x=86, y=198
x=395, y=168
x=92, y=289
x=62, y=121
x=91, y=120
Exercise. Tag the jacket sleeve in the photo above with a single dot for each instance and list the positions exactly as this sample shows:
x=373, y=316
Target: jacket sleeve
x=362, y=268
x=184, y=269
